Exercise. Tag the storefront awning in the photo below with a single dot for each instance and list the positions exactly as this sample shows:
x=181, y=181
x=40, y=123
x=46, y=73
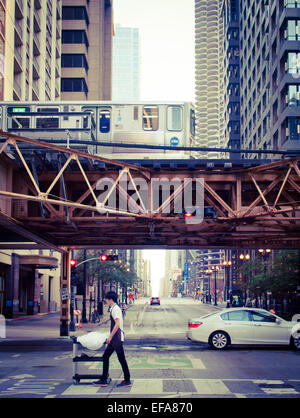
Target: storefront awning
x=39, y=261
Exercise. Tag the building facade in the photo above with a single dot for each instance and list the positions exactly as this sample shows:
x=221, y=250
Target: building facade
x=126, y=64
x=30, y=49
x=270, y=74
x=209, y=75
x=232, y=119
x=29, y=282
x=87, y=32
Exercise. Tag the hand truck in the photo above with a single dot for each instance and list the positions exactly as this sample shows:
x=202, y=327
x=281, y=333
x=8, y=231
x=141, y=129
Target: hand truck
x=78, y=359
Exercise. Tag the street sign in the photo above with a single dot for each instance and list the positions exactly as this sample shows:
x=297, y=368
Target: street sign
x=64, y=294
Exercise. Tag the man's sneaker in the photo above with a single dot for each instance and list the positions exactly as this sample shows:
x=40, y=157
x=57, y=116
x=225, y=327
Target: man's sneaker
x=124, y=383
x=102, y=382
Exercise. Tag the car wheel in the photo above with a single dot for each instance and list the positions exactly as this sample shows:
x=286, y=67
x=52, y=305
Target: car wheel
x=219, y=340
x=295, y=343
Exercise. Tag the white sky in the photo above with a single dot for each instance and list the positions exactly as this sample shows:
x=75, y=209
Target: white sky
x=167, y=46
x=157, y=260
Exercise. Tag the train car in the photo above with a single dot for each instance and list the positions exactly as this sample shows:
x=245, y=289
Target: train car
x=105, y=125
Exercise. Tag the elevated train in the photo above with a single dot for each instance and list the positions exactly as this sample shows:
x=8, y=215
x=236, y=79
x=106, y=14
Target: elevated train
x=100, y=123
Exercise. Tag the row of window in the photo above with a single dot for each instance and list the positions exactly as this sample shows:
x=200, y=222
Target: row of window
x=150, y=119
x=74, y=61
x=248, y=316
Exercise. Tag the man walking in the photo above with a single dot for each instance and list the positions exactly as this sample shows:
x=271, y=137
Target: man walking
x=115, y=342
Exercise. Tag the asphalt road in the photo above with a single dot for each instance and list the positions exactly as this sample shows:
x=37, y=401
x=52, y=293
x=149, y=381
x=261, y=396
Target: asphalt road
x=163, y=364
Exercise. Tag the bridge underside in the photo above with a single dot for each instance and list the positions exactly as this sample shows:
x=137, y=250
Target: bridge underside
x=53, y=197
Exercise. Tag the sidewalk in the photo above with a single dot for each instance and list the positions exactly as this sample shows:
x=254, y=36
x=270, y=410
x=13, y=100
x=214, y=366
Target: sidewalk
x=44, y=329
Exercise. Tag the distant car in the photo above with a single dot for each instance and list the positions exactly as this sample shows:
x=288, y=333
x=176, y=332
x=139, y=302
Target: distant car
x=243, y=326
x=154, y=301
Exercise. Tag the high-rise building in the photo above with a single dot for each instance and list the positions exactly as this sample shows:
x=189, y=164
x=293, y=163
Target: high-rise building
x=270, y=74
x=30, y=49
x=87, y=34
x=231, y=74
x=126, y=64
x=209, y=75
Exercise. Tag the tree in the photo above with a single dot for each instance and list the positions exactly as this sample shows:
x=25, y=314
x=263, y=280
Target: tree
x=278, y=275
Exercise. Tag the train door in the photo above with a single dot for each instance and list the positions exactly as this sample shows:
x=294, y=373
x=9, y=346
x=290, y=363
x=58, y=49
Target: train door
x=104, y=124
x=175, y=128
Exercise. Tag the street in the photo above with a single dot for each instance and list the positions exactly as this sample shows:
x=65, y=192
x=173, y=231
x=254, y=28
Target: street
x=163, y=364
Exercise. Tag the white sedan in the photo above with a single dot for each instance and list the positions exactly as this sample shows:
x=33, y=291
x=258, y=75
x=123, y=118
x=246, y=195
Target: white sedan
x=243, y=326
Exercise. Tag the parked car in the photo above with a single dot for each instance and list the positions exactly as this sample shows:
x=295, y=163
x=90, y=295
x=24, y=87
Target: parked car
x=154, y=301
x=243, y=326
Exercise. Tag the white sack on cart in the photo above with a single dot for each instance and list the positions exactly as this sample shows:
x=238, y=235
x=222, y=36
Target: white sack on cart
x=93, y=340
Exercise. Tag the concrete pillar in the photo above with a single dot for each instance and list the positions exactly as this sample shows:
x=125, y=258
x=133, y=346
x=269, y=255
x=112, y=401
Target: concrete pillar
x=32, y=303
x=12, y=287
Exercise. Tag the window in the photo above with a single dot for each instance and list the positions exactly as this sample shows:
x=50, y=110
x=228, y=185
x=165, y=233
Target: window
x=293, y=63
x=75, y=37
x=262, y=317
x=293, y=129
x=19, y=123
x=292, y=3
x=75, y=13
x=74, y=61
x=193, y=122
x=74, y=84
x=47, y=123
x=104, y=120
x=293, y=97
x=236, y=316
x=150, y=118
x=174, y=118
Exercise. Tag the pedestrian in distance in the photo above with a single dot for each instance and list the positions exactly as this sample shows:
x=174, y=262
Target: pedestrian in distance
x=114, y=343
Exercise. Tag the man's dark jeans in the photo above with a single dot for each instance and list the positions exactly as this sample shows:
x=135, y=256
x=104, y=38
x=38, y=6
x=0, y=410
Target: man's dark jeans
x=115, y=345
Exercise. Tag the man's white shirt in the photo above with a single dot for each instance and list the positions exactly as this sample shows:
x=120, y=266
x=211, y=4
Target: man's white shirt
x=116, y=313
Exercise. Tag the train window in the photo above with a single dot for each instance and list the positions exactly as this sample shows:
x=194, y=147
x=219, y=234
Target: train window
x=174, y=118
x=47, y=110
x=104, y=120
x=150, y=118
x=20, y=123
x=47, y=123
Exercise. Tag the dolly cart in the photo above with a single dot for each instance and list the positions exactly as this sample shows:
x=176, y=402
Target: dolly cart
x=77, y=359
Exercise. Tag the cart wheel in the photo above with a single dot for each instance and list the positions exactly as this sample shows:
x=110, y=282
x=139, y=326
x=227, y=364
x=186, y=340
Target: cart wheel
x=76, y=381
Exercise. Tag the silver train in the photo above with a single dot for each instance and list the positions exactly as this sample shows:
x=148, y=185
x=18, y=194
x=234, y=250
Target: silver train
x=100, y=123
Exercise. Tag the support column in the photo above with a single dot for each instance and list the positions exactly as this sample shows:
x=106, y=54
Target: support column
x=65, y=287
x=32, y=303
x=12, y=288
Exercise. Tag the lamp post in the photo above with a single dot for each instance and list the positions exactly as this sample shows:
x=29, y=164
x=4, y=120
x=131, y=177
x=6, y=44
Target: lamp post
x=245, y=257
x=265, y=253
x=215, y=269
x=227, y=265
x=208, y=272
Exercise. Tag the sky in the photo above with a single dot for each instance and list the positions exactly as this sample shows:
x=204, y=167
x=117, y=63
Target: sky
x=157, y=260
x=167, y=46
x=167, y=65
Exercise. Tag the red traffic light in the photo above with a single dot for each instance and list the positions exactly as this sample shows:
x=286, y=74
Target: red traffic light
x=188, y=215
x=103, y=257
x=73, y=262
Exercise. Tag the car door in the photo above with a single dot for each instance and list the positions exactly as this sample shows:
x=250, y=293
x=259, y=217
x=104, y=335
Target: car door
x=267, y=330
x=239, y=326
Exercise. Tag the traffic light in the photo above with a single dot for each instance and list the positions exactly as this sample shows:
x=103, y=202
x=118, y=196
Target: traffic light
x=73, y=263
x=108, y=257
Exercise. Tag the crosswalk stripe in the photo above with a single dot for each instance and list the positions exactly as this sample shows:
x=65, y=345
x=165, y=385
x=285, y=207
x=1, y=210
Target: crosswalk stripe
x=146, y=386
x=211, y=387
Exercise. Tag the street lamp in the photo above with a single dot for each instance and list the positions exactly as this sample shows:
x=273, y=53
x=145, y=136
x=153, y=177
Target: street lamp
x=227, y=266
x=208, y=272
x=215, y=269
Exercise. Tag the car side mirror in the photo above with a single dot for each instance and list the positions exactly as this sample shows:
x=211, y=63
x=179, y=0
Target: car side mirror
x=278, y=321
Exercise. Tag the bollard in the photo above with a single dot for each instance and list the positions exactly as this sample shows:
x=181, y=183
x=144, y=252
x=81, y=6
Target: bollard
x=77, y=315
